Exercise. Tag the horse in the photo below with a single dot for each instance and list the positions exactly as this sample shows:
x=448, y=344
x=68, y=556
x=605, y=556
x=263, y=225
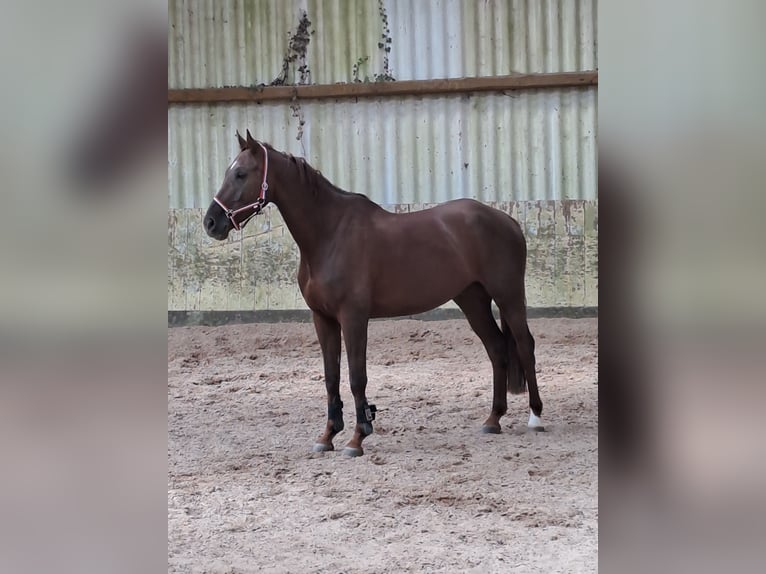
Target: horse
x=359, y=262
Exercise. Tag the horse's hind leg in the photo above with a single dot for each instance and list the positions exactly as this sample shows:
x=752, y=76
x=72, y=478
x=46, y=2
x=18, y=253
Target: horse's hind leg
x=476, y=304
x=328, y=332
x=515, y=315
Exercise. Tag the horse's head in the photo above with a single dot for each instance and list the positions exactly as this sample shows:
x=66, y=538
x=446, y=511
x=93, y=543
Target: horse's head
x=244, y=190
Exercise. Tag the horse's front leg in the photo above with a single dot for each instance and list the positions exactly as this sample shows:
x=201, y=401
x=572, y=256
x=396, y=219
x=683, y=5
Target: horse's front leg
x=328, y=332
x=355, y=337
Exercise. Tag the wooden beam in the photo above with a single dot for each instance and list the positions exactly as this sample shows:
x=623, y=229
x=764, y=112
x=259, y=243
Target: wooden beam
x=377, y=89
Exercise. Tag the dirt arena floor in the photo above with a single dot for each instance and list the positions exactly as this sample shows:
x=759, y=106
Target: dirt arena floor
x=431, y=493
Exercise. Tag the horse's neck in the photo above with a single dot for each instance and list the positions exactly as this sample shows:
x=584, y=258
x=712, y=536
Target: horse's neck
x=312, y=219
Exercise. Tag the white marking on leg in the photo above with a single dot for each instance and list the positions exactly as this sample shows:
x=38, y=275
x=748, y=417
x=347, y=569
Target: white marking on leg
x=535, y=422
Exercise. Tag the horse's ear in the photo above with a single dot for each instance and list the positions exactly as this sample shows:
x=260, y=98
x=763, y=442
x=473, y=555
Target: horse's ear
x=242, y=142
x=250, y=141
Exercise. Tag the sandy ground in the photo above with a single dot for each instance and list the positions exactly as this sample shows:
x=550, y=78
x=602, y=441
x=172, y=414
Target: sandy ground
x=431, y=494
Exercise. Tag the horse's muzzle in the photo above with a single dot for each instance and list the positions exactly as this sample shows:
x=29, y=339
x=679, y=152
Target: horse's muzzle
x=216, y=227
x=209, y=225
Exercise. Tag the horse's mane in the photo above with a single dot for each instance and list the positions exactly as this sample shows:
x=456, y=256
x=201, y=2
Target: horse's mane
x=312, y=177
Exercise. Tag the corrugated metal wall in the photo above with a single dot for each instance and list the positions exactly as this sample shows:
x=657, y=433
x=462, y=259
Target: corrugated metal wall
x=537, y=145
x=531, y=153
x=216, y=43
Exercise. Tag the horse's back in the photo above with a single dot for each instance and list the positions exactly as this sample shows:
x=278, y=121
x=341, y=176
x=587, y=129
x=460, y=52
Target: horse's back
x=464, y=237
x=465, y=223
x=490, y=239
x=478, y=221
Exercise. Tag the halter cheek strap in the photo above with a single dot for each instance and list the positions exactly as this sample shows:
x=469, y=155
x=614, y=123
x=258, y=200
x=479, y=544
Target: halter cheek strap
x=257, y=205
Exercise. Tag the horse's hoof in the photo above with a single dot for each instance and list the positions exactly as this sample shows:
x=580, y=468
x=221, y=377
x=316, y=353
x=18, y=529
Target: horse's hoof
x=535, y=423
x=487, y=429
x=351, y=451
x=321, y=447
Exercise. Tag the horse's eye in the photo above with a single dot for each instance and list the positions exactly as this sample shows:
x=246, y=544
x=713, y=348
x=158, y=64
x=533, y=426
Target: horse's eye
x=240, y=175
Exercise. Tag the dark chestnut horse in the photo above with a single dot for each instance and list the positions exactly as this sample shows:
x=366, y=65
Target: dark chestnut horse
x=359, y=261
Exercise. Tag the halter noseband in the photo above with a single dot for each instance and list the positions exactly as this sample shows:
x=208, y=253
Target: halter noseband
x=257, y=205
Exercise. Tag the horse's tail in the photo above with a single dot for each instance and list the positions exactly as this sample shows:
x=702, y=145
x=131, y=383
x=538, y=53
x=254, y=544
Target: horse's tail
x=517, y=382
